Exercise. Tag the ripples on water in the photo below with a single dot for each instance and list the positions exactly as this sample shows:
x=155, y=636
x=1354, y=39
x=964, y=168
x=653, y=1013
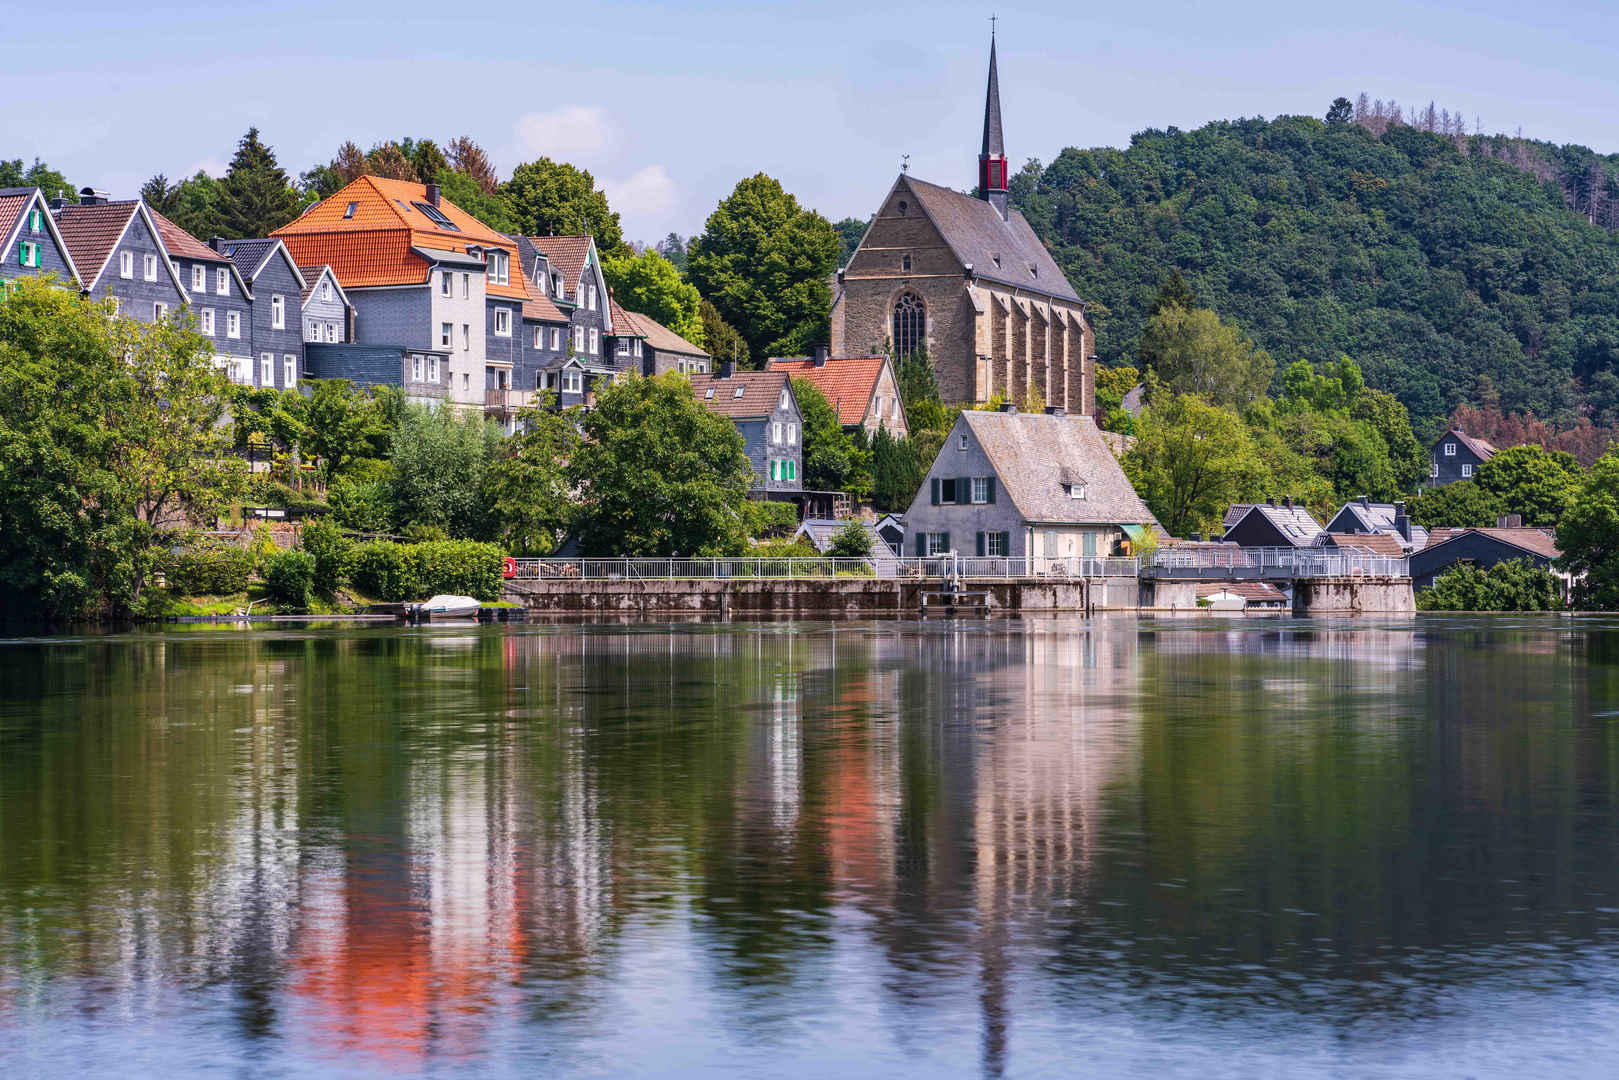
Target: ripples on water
x=1103, y=847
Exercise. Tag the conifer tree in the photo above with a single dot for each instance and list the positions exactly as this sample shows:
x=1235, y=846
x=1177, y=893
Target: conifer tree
x=256, y=195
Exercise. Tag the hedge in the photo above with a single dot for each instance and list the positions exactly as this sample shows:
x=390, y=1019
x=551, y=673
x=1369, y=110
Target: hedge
x=395, y=572
x=291, y=577
x=210, y=569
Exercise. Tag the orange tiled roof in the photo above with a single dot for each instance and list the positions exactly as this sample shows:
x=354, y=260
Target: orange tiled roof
x=624, y=324
x=759, y=392
x=11, y=207
x=848, y=382
x=539, y=306
x=661, y=338
x=90, y=233
x=373, y=246
x=182, y=244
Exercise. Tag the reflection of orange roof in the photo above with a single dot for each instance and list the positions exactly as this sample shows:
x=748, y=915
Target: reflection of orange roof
x=373, y=245
x=847, y=382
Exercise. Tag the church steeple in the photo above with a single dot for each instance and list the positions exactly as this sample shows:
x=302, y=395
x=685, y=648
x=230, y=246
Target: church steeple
x=992, y=177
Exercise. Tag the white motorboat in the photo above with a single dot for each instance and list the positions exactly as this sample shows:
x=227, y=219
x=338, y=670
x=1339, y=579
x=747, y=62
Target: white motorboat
x=447, y=607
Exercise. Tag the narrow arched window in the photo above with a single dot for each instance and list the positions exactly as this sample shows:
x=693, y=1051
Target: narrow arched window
x=905, y=263
x=910, y=323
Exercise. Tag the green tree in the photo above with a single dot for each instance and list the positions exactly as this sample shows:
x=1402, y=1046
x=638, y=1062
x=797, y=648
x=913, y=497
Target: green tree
x=853, y=541
x=111, y=448
x=850, y=232
x=52, y=183
x=1531, y=481
x=553, y=198
x=1192, y=352
x=658, y=473
x=1588, y=537
x=765, y=262
x=428, y=160
x=463, y=191
x=897, y=471
x=1190, y=461
x=1174, y=292
x=1462, y=505
x=439, y=461
x=1408, y=461
x=720, y=338
x=826, y=447
x=1514, y=585
x=673, y=248
x=650, y=284
x=1342, y=111
x=342, y=426
x=526, y=486
x=256, y=197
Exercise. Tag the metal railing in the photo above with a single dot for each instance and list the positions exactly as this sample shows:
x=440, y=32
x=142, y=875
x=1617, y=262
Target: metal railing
x=1202, y=561
x=507, y=400
x=876, y=566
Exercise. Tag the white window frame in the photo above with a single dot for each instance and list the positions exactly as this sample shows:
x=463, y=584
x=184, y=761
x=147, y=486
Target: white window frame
x=278, y=312
x=595, y=341
x=556, y=339
x=980, y=489
x=936, y=544
x=1467, y=472
x=993, y=539
x=126, y=264
x=572, y=382
x=206, y=323
x=503, y=322
x=500, y=268
x=446, y=284
x=199, y=278
x=776, y=432
x=446, y=335
x=326, y=290
x=962, y=442
x=30, y=254
x=623, y=346
x=1450, y=449
x=466, y=337
x=466, y=286
x=266, y=369
x=417, y=367
x=1433, y=469
x=149, y=268
x=233, y=324
x=637, y=346
x=222, y=281
x=432, y=369
x=289, y=370
x=792, y=434
x=331, y=333
x=590, y=291
x=160, y=311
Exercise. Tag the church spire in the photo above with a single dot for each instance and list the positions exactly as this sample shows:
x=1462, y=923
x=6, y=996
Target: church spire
x=992, y=177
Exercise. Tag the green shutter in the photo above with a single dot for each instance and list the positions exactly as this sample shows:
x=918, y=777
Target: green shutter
x=980, y=539
x=22, y=253
x=1006, y=543
x=964, y=490
x=991, y=497
x=935, y=491
x=946, y=537
x=921, y=544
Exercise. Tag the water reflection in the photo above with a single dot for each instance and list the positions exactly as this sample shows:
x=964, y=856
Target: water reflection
x=977, y=849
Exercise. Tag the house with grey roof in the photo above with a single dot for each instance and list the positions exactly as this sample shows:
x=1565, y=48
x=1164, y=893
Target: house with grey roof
x=1482, y=548
x=1364, y=517
x=277, y=287
x=30, y=243
x=323, y=306
x=1270, y=525
x=1019, y=484
x=1456, y=455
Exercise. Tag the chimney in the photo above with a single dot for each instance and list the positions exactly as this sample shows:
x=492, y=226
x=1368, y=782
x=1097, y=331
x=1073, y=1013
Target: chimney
x=1512, y=521
x=1402, y=524
x=432, y=194
x=1288, y=502
x=1009, y=407
x=215, y=241
x=821, y=355
x=1196, y=538
x=58, y=202
x=89, y=196
x=1272, y=501
x=727, y=369
x=1365, y=500
x=1056, y=410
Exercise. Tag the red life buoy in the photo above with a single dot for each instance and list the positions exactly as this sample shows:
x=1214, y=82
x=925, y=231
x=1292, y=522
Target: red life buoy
x=511, y=567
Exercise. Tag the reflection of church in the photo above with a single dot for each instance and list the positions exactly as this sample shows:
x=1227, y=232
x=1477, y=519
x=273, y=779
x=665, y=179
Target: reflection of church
x=968, y=278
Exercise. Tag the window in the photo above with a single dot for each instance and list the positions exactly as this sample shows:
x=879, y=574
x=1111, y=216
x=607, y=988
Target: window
x=944, y=491
x=206, y=325
x=637, y=346
x=792, y=434
x=775, y=432
x=326, y=290
x=910, y=318
x=466, y=286
x=571, y=382
x=595, y=341
x=539, y=337
x=500, y=268
x=937, y=543
x=433, y=214
x=311, y=330
x=902, y=207
x=444, y=332
x=222, y=282
x=784, y=400
x=590, y=292
x=710, y=395
x=702, y=367
x=331, y=332
x=36, y=220
x=199, y=278
x=905, y=263
x=432, y=369
x=556, y=286
x=503, y=322
x=578, y=340
x=126, y=264
x=149, y=268
x=1049, y=542
x=350, y=211
x=28, y=253
x=623, y=347
x=466, y=381
x=466, y=337
x=1450, y=449
x=278, y=313
x=266, y=369
x=556, y=339
x=233, y=324
x=996, y=545
x=1467, y=471
x=289, y=370
x=1076, y=490
x=961, y=443
x=739, y=392
x=159, y=310
x=980, y=489
x=417, y=368
x=1088, y=545
x=1433, y=468
x=446, y=284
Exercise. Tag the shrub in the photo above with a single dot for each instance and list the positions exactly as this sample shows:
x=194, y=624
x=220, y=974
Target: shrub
x=418, y=533
x=853, y=541
x=784, y=549
x=361, y=505
x=1516, y=585
x=395, y=572
x=291, y=578
x=330, y=548
x=769, y=519
x=262, y=549
x=210, y=568
x=378, y=569
x=267, y=492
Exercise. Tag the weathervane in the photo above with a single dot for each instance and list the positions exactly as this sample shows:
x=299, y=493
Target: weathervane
x=992, y=19
x=905, y=163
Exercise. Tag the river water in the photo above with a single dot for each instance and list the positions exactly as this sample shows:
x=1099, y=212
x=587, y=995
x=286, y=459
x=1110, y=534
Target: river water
x=1108, y=847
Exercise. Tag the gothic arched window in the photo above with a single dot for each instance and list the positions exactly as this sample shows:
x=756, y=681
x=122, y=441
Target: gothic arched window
x=910, y=323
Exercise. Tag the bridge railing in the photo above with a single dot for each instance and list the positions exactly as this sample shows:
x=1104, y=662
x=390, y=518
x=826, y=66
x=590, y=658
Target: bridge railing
x=1189, y=561
x=877, y=566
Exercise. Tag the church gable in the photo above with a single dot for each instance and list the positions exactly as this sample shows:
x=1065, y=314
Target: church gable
x=902, y=243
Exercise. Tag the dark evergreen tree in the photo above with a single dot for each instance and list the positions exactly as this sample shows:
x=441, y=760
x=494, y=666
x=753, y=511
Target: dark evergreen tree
x=1342, y=111
x=256, y=196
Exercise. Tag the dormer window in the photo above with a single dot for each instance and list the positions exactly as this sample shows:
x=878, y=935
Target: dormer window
x=996, y=259
x=739, y=392
x=500, y=265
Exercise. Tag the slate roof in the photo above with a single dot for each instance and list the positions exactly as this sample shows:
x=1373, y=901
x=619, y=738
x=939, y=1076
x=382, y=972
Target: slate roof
x=1388, y=544
x=1379, y=518
x=1030, y=451
x=91, y=232
x=379, y=244
x=760, y=392
x=1295, y=523
x=976, y=233
x=248, y=255
x=1537, y=541
x=849, y=382
x=1132, y=402
x=1234, y=513
x=821, y=531
x=663, y=339
x=1482, y=450
x=567, y=254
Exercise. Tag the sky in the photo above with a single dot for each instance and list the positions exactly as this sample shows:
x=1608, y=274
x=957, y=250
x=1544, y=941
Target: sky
x=669, y=105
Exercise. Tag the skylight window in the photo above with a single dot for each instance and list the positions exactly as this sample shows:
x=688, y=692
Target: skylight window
x=353, y=206
x=402, y=205
x=710, y=394
x=436, y=216
x=739, y=392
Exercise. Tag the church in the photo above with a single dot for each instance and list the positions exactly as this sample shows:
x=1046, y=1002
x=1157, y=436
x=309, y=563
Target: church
x=966, y=278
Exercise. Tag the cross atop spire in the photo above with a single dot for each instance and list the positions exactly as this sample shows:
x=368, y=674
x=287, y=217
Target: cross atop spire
x=992, y=173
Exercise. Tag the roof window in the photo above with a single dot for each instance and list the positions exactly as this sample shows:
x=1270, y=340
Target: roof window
x=739, y=391
x=996, y=259
x=436, y=216
x=402, y=205
x=350, y=211
x=710, y=395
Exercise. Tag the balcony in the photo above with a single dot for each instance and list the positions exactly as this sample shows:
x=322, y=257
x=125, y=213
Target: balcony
x=506, y=401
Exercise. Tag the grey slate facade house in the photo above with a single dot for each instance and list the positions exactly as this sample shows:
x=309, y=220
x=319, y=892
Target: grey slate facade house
x=324, y=306
x=641, y=343
x=1268, y=525
x=277, y=288
x=417, y=372
x=578, y=289
x=1482, y=548
x=539, y=354
x=764, y=409
x=1362, y=516
x=119, y=254
x=30, y=243
x=1456, y=455
x=222, y=304
x=1026, y=485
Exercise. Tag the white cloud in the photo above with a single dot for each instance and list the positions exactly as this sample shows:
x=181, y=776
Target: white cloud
x=214, y=166
x=573, y=133
x=648, y=191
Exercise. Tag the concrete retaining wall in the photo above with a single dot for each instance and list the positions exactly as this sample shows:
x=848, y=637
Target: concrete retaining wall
x=1354, y=596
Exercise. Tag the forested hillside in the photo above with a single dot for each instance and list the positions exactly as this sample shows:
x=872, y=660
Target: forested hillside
x=1430, y=257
